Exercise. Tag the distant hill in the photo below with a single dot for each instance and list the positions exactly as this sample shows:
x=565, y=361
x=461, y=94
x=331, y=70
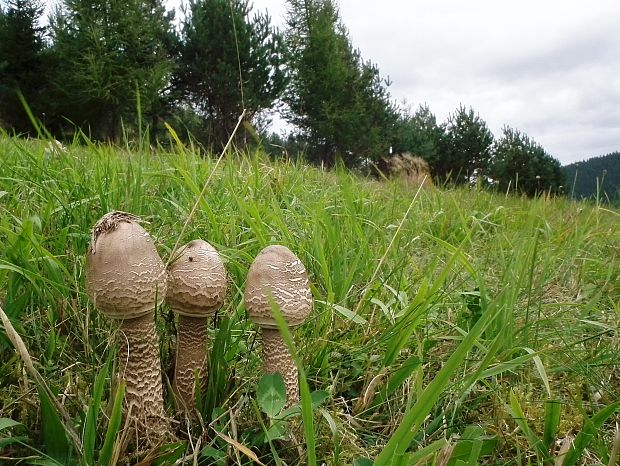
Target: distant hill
x=581, y=177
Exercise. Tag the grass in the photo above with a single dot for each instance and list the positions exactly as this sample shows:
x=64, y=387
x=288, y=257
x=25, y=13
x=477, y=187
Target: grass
x=451, y=326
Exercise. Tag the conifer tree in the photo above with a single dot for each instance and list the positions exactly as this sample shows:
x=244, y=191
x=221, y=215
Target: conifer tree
x=230, y=60
x=420, y=135
x=22, y=63
x=115, y=62
x=520, y=164
x=466, y=147
x=338, y=101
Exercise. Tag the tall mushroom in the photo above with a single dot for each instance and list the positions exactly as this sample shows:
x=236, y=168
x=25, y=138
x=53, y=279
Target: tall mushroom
x=126, y=280
x=277, y=276
x=196, y=289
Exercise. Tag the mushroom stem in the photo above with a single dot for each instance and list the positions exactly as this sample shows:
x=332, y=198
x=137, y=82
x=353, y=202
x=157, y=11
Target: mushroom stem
x=192, y=334
x=277, y=358
x=140, y=367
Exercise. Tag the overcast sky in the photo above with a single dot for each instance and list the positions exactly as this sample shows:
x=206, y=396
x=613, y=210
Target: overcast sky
x=549, y=68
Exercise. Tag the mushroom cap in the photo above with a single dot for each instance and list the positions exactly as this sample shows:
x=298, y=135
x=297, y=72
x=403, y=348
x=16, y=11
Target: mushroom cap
x=196, y=280
x=277, y=274
x=125, y=277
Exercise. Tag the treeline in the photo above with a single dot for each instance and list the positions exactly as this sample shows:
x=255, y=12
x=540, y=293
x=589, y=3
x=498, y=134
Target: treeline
x=595, y=178
x=111, y=69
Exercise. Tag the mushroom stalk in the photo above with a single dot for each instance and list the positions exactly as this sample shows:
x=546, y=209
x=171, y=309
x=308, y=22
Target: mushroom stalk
x=191, y=366
x=141, y=370
x=278, y=359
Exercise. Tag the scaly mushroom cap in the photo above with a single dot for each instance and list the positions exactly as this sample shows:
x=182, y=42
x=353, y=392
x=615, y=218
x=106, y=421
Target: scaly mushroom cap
x=125, y=277
x=277, y=274
x=196, y=289
x=196, y=280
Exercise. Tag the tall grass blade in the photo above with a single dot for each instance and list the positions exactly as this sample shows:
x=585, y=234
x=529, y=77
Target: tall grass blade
x=89, y=439
x=615, y=449
x=413, y=418
x=387, y=250
x=116, y=417
x=553, y=411
x=219, y=371
x=540, y=368
x=35, y=122
x=399, y=377
x=57, y=445
x=425, y=452
x=48, y=396
x=519, y=417
x=5, y=423
x=590, y=428
x=511, y=365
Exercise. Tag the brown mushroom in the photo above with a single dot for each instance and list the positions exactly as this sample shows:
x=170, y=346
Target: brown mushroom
x=277, y=276
x=196, y=290
x=126, y=280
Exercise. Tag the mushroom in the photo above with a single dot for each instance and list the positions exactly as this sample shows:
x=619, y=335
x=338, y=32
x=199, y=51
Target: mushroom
x=196, y=289
x=126, y=280
x=277, y=276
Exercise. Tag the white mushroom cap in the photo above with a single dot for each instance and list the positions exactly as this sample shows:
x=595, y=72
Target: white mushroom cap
x=125, y=277
x=277, y=274
x=197, y=280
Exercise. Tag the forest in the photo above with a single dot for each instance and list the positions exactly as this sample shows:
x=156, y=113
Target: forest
x=597, y=178
x=132, y=70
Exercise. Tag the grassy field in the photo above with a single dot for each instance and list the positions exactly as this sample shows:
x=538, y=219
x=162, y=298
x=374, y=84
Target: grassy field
x=450, y=326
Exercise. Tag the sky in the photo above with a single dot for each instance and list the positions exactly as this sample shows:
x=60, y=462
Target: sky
x=549, y=68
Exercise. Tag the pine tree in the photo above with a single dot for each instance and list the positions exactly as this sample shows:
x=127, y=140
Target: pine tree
x=229, y=61
x=338, y=101
x=22, y=63
x=522, y=165
x=420, y=135
x=115, y=62
x=466, y=147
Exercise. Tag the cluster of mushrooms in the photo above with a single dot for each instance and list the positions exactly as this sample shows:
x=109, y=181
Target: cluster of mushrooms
x=127, y=280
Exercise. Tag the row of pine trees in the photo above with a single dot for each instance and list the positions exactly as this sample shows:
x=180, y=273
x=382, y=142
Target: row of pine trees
x=112, y=69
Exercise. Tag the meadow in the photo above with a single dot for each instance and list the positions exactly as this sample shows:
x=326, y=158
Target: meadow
x=450, y=325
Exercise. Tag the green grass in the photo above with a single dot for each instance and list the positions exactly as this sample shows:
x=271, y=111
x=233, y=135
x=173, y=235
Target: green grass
x=451, y=326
